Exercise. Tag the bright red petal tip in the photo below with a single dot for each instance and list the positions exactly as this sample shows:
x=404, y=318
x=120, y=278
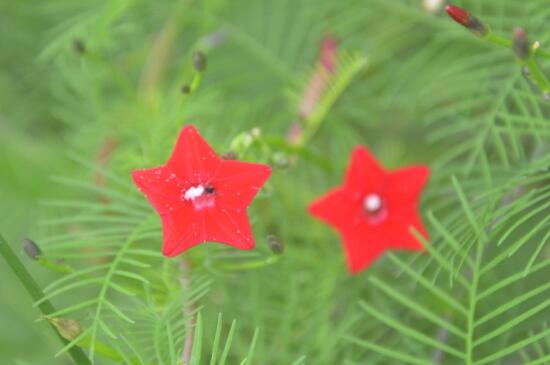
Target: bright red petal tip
x=364, y=172
x=374, y=209
x=459, y=15
x=192, y=156
x=201, y=197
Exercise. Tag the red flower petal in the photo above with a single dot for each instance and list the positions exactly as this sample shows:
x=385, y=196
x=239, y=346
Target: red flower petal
x=193, y=158
x=161, y=187
x=401, y=236
x=182, y=230
x=364, y=173
x=337, y=208
x=362, y=249
x=240, y=182
x=405, y=185
x=229, y=226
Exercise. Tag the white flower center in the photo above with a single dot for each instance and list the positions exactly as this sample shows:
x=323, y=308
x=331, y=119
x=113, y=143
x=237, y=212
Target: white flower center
x=193, y=192
x=372, y=203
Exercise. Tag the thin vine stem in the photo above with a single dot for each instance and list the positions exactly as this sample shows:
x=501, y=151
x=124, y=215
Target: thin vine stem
x=530, y=63
x=34, y=290
x=188, y=311
x=507, y=43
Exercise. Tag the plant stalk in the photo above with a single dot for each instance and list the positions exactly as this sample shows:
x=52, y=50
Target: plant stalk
x=188, y=310
x=36, y=293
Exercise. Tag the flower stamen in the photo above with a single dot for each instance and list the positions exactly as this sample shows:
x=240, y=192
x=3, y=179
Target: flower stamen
x=201, y=197
x=374, y=208
x=193, y=192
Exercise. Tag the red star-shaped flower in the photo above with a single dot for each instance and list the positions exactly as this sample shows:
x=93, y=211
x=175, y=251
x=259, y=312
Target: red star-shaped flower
x=374, y=209
x=201, y=197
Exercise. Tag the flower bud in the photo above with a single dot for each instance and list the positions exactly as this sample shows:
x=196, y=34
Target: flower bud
x=275, y=245
x=464, y=18
x=31, y=249
x=199, y=61
x=185, y=89
x=79, y=46
x=521, y=44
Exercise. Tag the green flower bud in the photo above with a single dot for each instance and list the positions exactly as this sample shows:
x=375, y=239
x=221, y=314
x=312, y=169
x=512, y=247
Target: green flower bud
x=185, y=89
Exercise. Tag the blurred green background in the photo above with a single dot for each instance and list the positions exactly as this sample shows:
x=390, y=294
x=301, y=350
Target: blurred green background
x=75, y=73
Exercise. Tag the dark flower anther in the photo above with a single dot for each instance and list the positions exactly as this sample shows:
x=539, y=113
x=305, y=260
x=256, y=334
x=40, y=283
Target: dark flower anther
x=209, y=189
x=521, y=44
x=464, y=18
x=31, y=249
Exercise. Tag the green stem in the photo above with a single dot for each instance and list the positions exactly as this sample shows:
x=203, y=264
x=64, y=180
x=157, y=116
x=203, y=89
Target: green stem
x=252, y=264
x=195, y=83
x=36, y=293
x=498, y=40
x=530, y=63
x=507, y=43
x=537, y=75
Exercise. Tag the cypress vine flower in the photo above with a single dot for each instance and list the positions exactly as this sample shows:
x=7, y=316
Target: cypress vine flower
x=374, y=209
x=463, y=17
x=201, y=197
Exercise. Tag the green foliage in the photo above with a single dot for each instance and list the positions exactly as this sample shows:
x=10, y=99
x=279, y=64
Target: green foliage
x=103, y=81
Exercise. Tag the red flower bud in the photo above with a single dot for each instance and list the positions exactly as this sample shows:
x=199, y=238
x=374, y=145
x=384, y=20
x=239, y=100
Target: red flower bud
x=459, y=15
x=463, y=17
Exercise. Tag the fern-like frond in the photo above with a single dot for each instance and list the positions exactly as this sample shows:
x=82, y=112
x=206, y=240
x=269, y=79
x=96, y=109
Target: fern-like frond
x=475, y=327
